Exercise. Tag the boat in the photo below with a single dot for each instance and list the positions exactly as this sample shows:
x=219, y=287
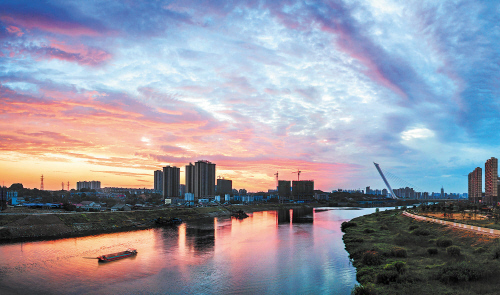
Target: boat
x=240, y=214
x=118, y=255
x=170, y=221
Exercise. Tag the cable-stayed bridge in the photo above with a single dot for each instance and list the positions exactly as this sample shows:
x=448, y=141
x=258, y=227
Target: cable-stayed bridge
x=407, y=191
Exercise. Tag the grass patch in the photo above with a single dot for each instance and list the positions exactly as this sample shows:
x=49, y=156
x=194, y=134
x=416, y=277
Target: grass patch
x=409, y=257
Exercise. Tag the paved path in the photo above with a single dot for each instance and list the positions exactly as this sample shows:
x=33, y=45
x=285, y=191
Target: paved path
x=478, y=229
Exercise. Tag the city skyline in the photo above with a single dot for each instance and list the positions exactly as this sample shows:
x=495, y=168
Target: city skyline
x=255, y=87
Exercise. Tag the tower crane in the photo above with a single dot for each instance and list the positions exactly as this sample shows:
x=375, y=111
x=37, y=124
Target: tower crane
x=298, y=174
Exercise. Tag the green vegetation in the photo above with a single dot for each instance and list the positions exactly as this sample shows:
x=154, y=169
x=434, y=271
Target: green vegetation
x=394, y=254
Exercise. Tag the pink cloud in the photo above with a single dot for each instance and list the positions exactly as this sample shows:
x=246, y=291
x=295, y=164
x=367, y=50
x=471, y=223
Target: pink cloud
x=15, y=30
x=44, y=23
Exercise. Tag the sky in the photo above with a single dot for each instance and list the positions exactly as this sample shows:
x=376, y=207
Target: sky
x=113, y=90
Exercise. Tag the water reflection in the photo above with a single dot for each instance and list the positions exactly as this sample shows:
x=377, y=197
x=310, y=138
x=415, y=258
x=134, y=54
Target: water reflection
x=298, y=215
x=286, y=251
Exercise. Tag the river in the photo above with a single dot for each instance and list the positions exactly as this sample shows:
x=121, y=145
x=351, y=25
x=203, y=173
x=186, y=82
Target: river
x=271, y=252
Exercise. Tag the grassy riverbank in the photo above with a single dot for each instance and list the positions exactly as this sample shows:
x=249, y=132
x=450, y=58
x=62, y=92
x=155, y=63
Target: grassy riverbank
x=394, y=254
x=40, y=225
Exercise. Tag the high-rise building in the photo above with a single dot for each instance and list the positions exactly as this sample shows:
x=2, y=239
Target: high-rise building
x=284, y=189
x=224, y=186
x=204, y=179
x=158, y=182
x=171, y=182
x=491, y=181
x=475, y=185
x=189, y=178
x=302, y=189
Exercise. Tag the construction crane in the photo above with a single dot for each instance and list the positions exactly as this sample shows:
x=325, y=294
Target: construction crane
x=298, y=174
x=276, y=174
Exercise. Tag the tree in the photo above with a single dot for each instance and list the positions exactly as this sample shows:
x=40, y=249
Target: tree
x=16, y=186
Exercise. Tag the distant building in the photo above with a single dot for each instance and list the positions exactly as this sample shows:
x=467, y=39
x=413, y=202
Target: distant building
x=491, y=181
x=404, y=193
x=284, y=189
x=182, y=190
x=475, y=185
x=204, y=179
x=242, y=191
x=171, y=182
x=224, y=186
x=158, y=180
x=302, y=189
x=88, y=185
x=12, y=197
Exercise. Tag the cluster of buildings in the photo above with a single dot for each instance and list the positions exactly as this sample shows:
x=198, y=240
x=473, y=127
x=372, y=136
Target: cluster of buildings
x=88, y=184
x=491, y=183
x=201, y=183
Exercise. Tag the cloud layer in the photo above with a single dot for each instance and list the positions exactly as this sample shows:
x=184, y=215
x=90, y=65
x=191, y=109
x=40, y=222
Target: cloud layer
x=113, y=91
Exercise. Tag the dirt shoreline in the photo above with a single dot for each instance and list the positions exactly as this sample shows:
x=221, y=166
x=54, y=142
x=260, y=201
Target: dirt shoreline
x=50, y=226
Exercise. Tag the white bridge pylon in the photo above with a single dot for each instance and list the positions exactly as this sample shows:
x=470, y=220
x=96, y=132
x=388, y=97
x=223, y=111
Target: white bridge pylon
x=391, y=192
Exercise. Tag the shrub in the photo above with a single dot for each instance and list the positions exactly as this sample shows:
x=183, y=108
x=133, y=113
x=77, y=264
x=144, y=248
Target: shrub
x=387, y=276
x=421, y=232
x=432, y=251
x=462, y=272
x=412, y=227
x=365, y=274
x=398, y=266
x=347, y=224
x=444, y=242
x=479, y=250
x=372, y=258
x=368, y=231
x=363, y=290
x=399, y=252
x=384, y=227
x=453, y=250
x=496, y=252
x=377, y=210
x=354, y=240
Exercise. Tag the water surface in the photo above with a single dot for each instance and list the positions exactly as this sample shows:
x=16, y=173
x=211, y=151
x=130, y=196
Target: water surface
x=271, y=252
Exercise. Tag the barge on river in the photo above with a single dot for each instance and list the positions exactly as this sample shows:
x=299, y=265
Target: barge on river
x=118, y=255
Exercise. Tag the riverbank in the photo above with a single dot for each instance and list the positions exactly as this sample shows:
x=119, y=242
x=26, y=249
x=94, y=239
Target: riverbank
x=395, y=254
x=40, y=226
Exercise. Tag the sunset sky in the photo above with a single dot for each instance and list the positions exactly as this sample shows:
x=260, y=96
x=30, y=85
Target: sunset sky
x=113, y=90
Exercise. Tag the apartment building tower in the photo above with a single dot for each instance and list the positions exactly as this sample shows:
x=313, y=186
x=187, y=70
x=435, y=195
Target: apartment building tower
x=204, y=179
x=475, y=185
x=284, y=189
x=224, y=186
x=158, y=180
x=189, y=178
x=171, y=182
x=491, y=181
